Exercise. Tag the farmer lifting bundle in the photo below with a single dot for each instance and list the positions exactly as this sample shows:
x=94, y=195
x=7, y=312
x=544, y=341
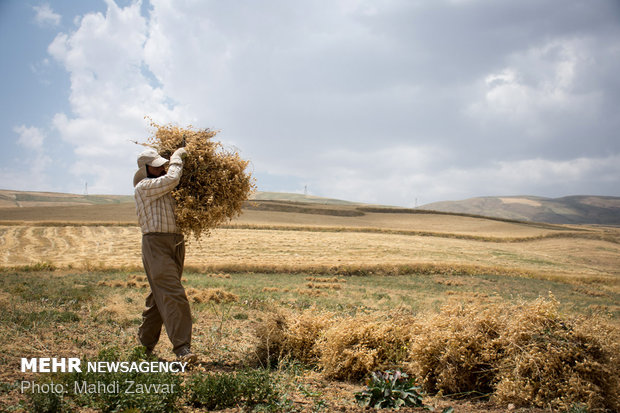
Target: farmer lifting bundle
x=214, y=183
x=203, y=187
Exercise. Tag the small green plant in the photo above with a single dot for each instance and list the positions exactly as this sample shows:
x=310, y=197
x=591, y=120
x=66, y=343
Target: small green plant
x=29, y=320
x=213, y=391
x=125, y=391
x=257, y=388
x=46, y=402
x=249, y=388
x=240, y=316
x=390, y=389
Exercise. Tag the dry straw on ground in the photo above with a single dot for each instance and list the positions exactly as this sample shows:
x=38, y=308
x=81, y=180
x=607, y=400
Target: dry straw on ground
x=214, y=183
x=323, y=286
x=271, y=289
x=527, y=354
x=116, y=310
x=215, y=295
x=133, y=280
x=282, y=335
x=218, y=275
x=326, y=280
x=355, y=346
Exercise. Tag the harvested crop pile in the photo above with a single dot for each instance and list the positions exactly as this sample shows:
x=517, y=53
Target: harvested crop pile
x=216, y=295
x=117, y=310
x=326, y=280
x=133, y=280
x=527, y=354
x=272, y=333
x=323, y=286
x=281, y=336
x=214, y=183
x=354, y=347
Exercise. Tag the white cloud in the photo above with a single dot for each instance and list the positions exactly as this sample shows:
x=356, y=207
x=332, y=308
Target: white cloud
x=537, y=82
x=110, y=95
x=46, y=16
x=32, y=171
x=542, y=177
x=31, y=175
x=30, y=137
x=371, y=101
x=410, y=176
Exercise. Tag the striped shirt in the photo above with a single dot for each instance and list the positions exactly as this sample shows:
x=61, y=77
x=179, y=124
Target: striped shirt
x=154, y=202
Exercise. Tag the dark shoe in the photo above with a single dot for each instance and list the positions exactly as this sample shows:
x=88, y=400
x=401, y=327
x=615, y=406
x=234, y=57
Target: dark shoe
x=186, y=355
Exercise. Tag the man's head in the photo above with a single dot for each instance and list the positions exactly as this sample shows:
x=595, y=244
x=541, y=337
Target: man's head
x=150, y=165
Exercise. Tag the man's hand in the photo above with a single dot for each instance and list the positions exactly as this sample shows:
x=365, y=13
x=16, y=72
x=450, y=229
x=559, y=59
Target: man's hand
x=181, y=153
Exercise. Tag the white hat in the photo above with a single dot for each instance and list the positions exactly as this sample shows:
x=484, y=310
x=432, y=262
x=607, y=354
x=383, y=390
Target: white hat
x=148, y=157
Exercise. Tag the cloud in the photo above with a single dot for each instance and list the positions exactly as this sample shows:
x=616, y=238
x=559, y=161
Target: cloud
x=45, y=15
x=417, y=183
x=30, y=137
x=548, y=101
x=111, y=92
x=32, y=173
x=378, y=102
x=536, y=82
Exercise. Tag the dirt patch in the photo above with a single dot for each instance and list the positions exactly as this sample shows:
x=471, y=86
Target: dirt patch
x=523, y=201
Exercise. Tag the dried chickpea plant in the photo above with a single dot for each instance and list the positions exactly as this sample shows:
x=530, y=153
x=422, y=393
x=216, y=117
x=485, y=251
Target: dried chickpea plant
x=525, y=354
x=215, y=180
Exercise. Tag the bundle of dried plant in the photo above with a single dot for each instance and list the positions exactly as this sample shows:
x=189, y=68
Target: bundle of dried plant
x=214, y=184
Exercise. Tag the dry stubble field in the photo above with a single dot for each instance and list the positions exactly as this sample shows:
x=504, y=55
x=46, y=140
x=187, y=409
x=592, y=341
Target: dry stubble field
x=267, y=259
x=295, y=240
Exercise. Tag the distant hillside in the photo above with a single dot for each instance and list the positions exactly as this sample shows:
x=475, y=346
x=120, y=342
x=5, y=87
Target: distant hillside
x=602, y=210
x=568, y=210
x=287, y=196
x=11, y=199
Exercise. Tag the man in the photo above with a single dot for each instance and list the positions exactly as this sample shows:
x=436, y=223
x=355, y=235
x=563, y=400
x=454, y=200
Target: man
x=163, y=253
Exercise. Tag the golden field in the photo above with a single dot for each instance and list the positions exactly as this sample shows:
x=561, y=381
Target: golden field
x=107, y=236
x=329, y=293
x=305, y=249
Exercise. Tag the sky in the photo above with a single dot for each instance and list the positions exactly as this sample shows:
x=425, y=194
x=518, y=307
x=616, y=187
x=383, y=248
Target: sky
x=395, y=102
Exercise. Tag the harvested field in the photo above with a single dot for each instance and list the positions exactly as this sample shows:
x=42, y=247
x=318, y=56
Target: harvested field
x=77, y=313
x=272, y=249
x=73, y=284
x=289, y=214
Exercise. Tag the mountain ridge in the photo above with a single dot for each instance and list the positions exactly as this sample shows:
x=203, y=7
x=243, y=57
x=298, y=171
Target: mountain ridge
x=573, y=209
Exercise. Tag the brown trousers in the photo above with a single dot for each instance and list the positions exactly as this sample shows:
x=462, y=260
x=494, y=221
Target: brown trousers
x=163, y=256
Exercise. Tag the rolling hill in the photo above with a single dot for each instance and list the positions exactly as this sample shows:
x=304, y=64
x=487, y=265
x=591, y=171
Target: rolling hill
x=600, y=210
x=288, y=196
x=10, y=199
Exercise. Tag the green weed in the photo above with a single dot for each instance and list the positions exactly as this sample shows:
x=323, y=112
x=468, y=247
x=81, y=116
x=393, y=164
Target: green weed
x=27, y=320
x=49, y=402
x=390, y=389
x=248, y=388
x=69, y=290
x=122, y=400
x=240, y=316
